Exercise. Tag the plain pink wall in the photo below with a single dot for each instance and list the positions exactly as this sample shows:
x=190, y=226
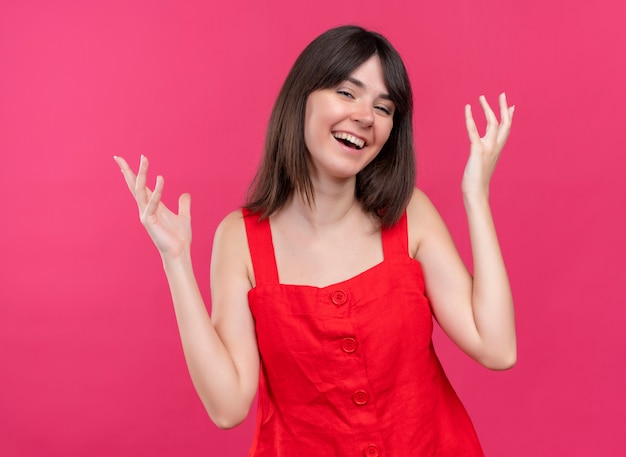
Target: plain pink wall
x=90, y=361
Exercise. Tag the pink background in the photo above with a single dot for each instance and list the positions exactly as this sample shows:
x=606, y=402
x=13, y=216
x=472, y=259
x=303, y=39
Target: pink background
x=90, y=361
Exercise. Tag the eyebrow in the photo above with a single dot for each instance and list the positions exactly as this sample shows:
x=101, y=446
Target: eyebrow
x=361, y=85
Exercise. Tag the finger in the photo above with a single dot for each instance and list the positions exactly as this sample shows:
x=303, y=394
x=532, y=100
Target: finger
x=504, y=131
x=505, y=117
x=121, y=162
x=507, y=120
x=155, y=198
x=184, y=205
x=472, y=131
x=128, y=174
x=492, y=120
x=140, y=183
x=511, y=113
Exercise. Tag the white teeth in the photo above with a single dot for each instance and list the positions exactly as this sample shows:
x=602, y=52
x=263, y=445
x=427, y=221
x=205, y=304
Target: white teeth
x=351, y=138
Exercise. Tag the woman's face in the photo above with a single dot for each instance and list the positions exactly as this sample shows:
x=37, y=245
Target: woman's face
x=345, y=127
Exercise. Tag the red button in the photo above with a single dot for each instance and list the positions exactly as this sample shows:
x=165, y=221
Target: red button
x=348, y=345
x=339, y=297
x=360, y=397
x=371, y=450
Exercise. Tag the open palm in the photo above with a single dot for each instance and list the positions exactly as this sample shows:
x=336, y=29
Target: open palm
x=485, y=151
x=170, y=232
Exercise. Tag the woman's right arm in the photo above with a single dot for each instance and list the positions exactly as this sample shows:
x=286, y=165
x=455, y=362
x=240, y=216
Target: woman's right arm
x=221, y=351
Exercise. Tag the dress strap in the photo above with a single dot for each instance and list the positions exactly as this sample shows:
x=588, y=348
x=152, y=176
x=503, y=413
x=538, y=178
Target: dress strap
x=261, y=248
x=396, y=239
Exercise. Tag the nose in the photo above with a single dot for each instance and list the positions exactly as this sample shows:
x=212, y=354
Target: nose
x=363, y=114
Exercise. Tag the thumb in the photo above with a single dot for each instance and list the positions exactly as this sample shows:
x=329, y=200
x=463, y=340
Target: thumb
x=184, y=205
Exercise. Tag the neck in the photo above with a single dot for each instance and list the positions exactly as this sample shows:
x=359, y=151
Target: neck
x=332, y=204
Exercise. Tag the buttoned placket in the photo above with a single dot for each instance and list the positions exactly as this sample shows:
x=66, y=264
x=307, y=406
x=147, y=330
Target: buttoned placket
x=349, y=345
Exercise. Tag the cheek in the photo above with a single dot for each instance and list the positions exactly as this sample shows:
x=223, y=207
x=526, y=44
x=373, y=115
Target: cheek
x=318, y=120
x=385, y=132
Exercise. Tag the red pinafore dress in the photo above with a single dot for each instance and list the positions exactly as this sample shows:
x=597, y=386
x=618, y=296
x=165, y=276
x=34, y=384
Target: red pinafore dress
x=349, y=369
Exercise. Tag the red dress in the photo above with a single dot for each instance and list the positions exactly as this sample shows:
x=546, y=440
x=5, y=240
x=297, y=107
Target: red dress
x=349, y=369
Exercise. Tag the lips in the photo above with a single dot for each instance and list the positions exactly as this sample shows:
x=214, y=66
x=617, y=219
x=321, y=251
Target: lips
x=349, y=140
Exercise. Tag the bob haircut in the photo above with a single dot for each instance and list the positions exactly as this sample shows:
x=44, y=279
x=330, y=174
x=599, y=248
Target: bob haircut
x=384, y=187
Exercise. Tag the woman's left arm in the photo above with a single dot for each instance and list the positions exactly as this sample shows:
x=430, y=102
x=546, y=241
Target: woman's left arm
x=477, y=313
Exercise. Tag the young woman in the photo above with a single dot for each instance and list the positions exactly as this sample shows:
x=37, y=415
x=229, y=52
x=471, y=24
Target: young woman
x=324, y=286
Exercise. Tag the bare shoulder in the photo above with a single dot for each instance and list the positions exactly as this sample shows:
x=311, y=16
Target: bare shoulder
x=233, y=222
x=422, y=218
x=418, y=201
x=230, y=246
x=230, y=234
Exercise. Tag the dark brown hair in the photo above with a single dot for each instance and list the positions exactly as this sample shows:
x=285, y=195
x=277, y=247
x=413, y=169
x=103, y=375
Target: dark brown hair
x=385, y=186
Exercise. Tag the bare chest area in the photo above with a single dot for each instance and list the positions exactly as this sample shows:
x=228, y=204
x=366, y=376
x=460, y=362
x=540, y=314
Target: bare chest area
x=320, y=261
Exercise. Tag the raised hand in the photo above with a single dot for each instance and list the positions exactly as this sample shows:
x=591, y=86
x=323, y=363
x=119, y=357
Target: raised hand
x=170, y=232
x=485, y=151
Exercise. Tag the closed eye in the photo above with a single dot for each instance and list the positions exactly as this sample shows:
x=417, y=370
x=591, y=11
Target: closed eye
x=384, y=109
x=345, y=93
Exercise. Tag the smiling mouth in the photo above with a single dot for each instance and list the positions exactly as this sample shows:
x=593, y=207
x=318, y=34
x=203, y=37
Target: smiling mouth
x=349, y=140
